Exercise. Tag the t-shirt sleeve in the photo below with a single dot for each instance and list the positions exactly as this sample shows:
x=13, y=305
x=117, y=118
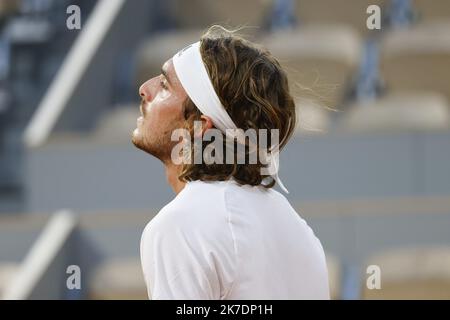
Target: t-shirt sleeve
x=176, y=263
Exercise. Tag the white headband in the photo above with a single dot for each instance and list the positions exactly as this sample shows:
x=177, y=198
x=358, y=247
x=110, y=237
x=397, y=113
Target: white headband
x=194, y=78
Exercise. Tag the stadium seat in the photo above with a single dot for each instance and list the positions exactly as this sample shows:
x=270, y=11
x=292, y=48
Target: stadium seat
x=7, y=271
x=319, y=60
x=8, y=7
x=156, y=50
x=417, y=59
x=412, y=273
x=120, y=279
x=432, y=10
x=232, y=13
x=25, y=31
x=351, y=12
x=406, y=111
x=334, y=276
x=312, y=118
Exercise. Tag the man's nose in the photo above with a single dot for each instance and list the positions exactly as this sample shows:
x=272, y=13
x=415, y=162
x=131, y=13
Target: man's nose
x=146, y=90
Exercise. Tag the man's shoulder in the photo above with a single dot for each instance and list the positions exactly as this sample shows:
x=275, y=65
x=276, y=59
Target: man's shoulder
x=196, y=197
x=197, y=203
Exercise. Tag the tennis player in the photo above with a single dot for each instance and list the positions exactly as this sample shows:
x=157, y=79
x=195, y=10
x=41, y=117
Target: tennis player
x=227, y=234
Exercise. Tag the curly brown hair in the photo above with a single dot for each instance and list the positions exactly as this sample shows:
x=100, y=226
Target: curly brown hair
x=254, y=90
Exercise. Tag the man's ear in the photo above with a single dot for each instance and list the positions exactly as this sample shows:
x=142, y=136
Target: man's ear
x=206, y=123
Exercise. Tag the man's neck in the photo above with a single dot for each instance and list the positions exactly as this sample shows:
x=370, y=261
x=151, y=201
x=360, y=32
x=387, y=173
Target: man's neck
x=172, y=172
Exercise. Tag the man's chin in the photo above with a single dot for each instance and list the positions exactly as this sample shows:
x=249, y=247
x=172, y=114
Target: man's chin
x=136, y=139
x=153, y=150
x=139, y=143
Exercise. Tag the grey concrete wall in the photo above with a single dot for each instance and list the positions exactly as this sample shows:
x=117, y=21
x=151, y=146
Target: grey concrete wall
x=84, y=175
x=89, y=177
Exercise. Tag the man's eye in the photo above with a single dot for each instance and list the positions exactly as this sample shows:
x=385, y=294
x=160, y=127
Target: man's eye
x=163, y=85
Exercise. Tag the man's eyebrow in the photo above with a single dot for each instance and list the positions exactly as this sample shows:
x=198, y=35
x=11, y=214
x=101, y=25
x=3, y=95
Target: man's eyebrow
x=164, y=73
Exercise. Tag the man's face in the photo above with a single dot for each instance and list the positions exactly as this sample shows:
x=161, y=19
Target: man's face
x=161, y=113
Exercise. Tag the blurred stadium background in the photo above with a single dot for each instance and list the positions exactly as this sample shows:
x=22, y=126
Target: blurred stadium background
x=371, y=176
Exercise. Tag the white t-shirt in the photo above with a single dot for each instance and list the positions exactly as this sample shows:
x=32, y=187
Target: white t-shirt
x=219, y=240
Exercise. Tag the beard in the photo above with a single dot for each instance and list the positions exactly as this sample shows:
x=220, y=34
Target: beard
x=158, y=146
